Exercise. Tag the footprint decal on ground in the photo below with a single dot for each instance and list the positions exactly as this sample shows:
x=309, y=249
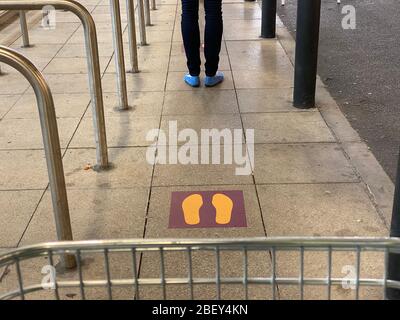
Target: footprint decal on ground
x=223, y=206
x=207, y=209
x=191, y=209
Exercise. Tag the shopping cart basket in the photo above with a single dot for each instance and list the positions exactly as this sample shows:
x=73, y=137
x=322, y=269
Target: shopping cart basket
x=254, y=268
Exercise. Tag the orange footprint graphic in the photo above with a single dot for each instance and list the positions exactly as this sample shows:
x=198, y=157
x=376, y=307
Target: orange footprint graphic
x=223, y=205
x=191, y=209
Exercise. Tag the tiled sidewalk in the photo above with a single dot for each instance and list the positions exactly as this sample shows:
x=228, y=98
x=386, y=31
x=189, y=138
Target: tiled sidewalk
x=311, y=174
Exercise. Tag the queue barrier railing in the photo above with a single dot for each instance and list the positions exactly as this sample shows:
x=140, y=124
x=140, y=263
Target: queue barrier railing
x=92, y=50
x=51, y=142
x=173, y=269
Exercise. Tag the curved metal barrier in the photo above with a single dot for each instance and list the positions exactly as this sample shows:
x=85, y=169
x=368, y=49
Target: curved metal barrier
x=51, y=142
x=175, y=267
x=89, y=28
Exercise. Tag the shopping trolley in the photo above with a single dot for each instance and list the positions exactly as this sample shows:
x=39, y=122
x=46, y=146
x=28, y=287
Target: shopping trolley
x=253, y=268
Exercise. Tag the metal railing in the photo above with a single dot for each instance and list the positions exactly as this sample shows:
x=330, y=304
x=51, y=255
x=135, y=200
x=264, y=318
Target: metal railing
x=204, y=268
x=92, y=50
x=51, y=141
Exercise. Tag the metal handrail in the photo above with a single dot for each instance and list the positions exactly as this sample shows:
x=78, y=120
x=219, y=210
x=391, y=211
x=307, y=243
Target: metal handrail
x=96, y=91
x=51, y=142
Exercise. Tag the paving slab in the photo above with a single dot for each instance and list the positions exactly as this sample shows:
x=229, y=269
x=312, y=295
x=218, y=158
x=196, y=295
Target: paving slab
x=146, y=81
x=288, y=127
x=77, y=83
x=130, y=169
x=152, y=62
x=14, y=133
x=6, y=103
x=302, y=163
x=201, y=103
x=23, y=169
x=200, y=122
x=263, y=79
x=141, y=104
x=73, y=65
x=322, y=210
x=319, y=210
x=258, y=56
x=267, y=100
x=16, y=211
x=42, y=50
x=126, y=130
x=241, y=11
x=66, y=106
x=13, y=83
x=203, y=174
x=71, y=50
x=95, y=213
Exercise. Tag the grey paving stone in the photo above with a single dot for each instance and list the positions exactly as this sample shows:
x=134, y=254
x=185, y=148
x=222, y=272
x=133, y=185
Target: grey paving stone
x=95, y=214
x=215, y=102
x=302, y=163
x=287, y=127
x=22, y=169
x=16, y=211
x=130, y=169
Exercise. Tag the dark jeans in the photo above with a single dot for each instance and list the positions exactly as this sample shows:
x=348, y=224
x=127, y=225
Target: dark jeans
x=212, y=38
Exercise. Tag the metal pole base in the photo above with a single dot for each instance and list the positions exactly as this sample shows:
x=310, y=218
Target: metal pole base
x=99, y=168
x=268, y=19
x=123, y=109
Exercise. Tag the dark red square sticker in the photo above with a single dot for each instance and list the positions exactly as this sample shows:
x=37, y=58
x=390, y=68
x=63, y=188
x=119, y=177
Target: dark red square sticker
x=207, y=209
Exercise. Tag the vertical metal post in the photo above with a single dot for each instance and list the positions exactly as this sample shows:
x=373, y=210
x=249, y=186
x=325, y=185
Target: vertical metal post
x=130, y=9
x=307, y=37
x=268, y=19
x=153, y=5
x=51, y=142
x=119, y=55
x=24, y=29
x=142, y=24
x=394, y=258
x=147, y=10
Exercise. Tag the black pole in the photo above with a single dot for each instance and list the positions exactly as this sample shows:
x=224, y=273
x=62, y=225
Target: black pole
x=394, y=258
x=268, y=19
x=307, y=37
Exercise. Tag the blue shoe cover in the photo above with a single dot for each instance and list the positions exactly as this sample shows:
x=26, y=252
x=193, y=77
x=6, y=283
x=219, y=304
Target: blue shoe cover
x=193, y=81
x=212, y=81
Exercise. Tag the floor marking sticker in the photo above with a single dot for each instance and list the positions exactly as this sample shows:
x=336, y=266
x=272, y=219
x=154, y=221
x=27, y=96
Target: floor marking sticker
x=207, y=209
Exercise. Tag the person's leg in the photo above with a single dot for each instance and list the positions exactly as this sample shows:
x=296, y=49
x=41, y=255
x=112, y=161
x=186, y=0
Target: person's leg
x=191, y=35
x=213, y=35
